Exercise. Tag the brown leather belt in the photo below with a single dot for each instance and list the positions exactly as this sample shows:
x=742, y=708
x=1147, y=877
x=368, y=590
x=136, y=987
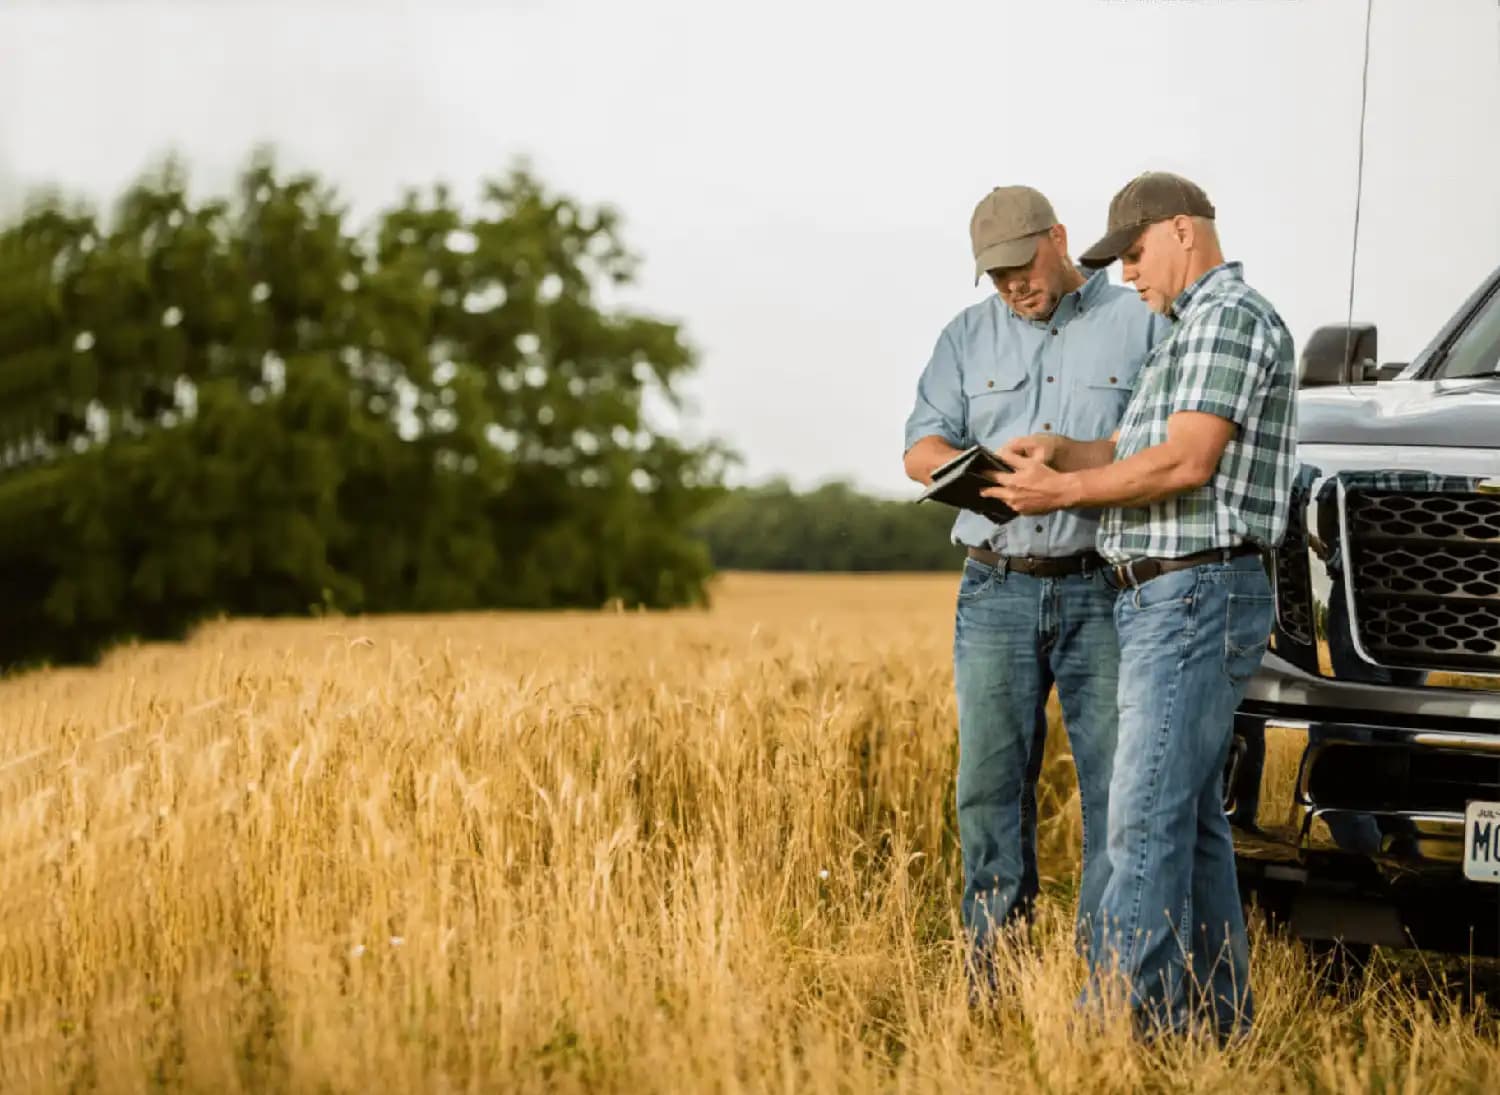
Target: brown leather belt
x=1039, y=566
x=1137, y=572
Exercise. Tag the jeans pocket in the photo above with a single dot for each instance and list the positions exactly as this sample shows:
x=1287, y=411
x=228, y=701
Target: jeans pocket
x=1247, y=633
x=975, y=580
x=1178, y=588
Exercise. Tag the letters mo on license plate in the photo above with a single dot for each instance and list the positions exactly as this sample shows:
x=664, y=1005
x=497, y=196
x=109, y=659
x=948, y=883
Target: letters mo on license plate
x=1482, y=841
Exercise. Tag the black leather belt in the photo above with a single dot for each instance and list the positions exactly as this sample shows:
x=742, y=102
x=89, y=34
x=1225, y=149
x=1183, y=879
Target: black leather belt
x=1040, y=566
x=1137, y=572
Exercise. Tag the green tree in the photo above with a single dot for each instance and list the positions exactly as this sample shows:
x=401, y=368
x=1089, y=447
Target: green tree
x=244, y=406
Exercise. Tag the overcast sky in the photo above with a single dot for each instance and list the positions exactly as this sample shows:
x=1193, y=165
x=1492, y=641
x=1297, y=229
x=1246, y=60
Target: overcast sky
x=799, y=175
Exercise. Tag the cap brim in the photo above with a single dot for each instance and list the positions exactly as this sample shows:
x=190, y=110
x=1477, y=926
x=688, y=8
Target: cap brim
x=1010, y=253
x=1109, y=248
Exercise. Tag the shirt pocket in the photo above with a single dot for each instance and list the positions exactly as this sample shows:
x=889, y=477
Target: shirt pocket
x=1100, y=393
x=998, y=399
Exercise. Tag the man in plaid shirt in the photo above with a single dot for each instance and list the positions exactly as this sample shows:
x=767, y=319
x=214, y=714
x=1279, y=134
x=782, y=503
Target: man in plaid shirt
x=1195, y=485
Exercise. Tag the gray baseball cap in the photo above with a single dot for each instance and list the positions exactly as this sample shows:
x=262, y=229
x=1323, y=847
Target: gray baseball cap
x=1006, y=226
x=1145, y=200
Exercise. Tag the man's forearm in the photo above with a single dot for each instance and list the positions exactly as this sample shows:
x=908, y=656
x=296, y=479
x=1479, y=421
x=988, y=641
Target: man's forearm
x=1074, y=455
x=925, y=456
x=1148, y=476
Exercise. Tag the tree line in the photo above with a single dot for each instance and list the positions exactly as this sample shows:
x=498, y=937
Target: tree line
x=833, y=527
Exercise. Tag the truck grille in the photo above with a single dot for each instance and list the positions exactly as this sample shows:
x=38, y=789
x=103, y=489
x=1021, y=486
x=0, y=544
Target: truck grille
x=1294, y=612
x=1426, y=573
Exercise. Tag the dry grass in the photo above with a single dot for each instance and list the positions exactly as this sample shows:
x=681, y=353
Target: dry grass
x=681, y=852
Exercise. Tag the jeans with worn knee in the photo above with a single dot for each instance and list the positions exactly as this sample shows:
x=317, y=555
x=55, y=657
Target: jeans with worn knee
x=1171, y=917
x=1014, y=637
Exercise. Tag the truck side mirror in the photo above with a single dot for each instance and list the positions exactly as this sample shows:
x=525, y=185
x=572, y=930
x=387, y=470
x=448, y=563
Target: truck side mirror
x=1339, y=354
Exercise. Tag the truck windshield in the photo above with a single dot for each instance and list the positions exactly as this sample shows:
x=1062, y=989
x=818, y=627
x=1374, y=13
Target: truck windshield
x=1476, y=351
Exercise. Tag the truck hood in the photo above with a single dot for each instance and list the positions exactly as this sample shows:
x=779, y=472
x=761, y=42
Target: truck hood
x=1442, y=413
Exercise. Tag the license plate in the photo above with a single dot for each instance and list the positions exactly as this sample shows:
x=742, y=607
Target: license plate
x=1482, y=842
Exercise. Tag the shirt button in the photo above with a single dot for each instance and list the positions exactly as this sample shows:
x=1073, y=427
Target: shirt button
x=991, y=383
x=1054, y=330
x=1049, y=380
x=1111, y=380
x=1046, y=425
x=1039, y=528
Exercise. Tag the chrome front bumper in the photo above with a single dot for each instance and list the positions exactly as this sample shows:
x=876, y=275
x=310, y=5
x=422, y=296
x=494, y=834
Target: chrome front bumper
x=1336, y=790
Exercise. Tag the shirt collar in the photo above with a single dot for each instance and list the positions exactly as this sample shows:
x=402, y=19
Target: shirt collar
x=1089, y=291
x=1205, y=287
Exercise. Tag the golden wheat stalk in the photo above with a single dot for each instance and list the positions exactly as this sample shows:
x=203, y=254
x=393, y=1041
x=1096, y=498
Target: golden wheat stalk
x=693, y=851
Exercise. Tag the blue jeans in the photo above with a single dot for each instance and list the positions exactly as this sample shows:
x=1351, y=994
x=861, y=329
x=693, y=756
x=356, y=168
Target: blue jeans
x=1014, y=636
x=1171, y=918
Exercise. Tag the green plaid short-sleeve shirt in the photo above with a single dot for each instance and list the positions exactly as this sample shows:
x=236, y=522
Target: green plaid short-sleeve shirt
x=1229, y=355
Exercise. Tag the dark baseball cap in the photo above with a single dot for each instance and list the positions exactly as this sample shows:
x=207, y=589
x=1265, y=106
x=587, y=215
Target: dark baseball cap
x=1145, y=200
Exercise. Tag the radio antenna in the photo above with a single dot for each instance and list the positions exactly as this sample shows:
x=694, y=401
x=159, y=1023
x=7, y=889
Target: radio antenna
x=1359, y=177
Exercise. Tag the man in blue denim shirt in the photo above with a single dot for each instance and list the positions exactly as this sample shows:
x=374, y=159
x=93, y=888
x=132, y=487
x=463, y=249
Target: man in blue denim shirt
x=1051, y=352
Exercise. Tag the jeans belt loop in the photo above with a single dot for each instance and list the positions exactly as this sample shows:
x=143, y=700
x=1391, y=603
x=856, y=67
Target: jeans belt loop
x=1004, y=566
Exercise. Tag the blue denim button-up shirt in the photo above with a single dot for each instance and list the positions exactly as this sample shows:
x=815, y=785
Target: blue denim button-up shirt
x=994, y=376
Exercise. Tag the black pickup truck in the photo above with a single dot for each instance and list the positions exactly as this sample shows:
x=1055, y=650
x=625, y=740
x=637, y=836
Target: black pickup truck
x=1364, y=783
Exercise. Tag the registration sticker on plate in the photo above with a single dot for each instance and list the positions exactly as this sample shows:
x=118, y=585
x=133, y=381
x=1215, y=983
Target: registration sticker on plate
x=1482, y=842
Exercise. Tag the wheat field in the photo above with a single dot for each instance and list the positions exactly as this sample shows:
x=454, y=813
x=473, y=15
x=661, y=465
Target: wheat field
x=708, y=850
